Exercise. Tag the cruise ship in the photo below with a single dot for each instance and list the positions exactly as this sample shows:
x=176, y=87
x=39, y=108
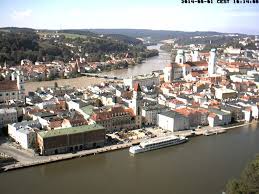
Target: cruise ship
x=157, y=143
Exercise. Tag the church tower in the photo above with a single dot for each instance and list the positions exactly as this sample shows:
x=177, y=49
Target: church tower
x=212, y=62
x=19, y=78
x=168, y=73
x=180, y=57
x=137, y=105
x=195, y=55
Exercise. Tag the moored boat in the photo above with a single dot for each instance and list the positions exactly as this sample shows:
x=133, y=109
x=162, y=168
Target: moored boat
x=157, y=143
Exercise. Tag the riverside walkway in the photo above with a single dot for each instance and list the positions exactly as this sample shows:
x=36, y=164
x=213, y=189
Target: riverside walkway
x=40, y=160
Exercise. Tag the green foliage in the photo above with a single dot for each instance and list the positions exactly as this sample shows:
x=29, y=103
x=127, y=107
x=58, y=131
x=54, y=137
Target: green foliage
x=22, y=43
x=248, y=182
x=124, y=39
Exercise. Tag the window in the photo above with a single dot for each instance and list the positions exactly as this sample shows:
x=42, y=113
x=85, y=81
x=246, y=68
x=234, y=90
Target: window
x=6, y=94
x=13, y=93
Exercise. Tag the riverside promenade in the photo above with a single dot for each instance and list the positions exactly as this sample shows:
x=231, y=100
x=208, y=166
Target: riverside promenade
x=40, y=160
x=33, y=160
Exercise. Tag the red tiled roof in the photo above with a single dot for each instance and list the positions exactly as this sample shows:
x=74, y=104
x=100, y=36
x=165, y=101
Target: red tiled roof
x=175, y=101
x=113, y=112
x=55, y=124
x=78, y=122
x=198, y=63
x=8, y=85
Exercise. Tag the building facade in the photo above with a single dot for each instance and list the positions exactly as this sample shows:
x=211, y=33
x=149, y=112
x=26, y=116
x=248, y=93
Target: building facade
x=70, y=139
x=115, y=118
x=172, y=121
x=12, y=87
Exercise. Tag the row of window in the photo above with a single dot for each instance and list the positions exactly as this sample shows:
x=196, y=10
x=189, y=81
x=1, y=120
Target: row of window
x=7, y=94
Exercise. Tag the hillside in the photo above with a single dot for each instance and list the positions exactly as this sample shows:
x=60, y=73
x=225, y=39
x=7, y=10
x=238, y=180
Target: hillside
x=47, y=45
x=156, y=34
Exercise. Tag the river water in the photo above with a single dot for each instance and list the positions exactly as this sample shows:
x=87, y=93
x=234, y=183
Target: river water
x=149, y=65
x=201, y=166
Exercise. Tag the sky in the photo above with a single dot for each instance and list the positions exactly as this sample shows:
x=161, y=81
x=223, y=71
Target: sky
x=132, y=14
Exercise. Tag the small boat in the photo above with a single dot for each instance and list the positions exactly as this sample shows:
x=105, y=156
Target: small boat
x=208, y=133
x=221, y=131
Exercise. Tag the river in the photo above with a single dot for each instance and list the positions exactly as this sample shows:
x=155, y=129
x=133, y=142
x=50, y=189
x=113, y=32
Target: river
x=149, y=65
x=201, y=166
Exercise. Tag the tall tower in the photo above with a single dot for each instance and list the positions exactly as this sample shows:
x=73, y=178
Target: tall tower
x=168, y=73
x=19, y=78
x=195, y=55
x=180, y=57
x=212, y=62
x=137, y=105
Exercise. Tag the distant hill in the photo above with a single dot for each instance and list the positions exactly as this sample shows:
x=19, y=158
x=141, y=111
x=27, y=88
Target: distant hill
x=78, y=31
x=15, y=29
x=156, y=34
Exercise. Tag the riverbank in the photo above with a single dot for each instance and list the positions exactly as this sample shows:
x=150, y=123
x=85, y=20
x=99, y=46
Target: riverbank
x=56, y=158
x=214, y=130
x=41, y=160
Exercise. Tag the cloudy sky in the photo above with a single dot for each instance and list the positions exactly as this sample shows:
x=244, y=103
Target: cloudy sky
x=140, y=14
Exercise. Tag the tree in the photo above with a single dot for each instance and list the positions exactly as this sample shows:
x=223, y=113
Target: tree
x=248, y=182
x=56, y=84
x=98, y=103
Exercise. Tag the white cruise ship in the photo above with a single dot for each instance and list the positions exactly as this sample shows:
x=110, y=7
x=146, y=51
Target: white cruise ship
x=157, y=143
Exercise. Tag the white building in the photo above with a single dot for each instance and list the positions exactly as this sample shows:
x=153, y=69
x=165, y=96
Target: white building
x=150, y=113
x=248, y=114
x=147, y=80
x=232, y=51
x=212, y=62
x=213, y=120
x=168, y=73
x=221, y=117
x=174, y=71
x=225, y=93
x=24, y=133
x=172, y=121
x=255, y=111
x=195, y=55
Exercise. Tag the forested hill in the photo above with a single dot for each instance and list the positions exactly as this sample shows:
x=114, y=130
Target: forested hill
x=47, y=45
x=156, y=34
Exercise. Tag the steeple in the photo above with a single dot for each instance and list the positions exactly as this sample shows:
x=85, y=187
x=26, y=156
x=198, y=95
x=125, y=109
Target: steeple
x=180, y=57
x=137, y=104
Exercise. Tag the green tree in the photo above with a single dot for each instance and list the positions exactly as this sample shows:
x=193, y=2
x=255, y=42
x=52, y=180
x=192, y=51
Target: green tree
x=248, y=182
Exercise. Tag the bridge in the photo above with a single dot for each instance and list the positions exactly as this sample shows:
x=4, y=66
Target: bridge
x=101, y=76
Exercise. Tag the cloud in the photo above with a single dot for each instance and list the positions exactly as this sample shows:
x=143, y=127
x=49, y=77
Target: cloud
x=20, y=15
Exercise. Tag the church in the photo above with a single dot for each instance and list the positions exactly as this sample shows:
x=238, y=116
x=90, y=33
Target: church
x=182, y=68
